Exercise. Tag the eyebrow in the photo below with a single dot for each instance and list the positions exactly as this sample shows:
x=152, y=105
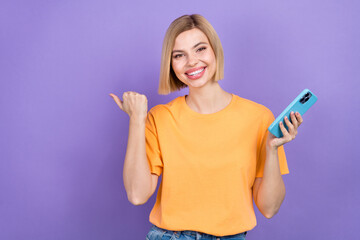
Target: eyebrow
x=192, y=47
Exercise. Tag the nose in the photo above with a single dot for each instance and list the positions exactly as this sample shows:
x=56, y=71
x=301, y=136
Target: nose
x=192, y=60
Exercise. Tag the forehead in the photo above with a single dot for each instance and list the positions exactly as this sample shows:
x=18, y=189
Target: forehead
x=190, y=38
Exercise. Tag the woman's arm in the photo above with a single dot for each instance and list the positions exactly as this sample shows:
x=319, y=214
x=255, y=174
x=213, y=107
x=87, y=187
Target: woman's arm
x=269, y=191
x=139, y=183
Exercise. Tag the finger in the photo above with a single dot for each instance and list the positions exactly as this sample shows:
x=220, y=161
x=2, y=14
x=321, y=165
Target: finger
x=286, y=136
x=294, y=120
x=291, y=128
x=117, y=100
x=299, y=118
x=112, y=95
x=125, y=94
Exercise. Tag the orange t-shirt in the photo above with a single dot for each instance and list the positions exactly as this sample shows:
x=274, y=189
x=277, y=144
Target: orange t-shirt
x=209, y=163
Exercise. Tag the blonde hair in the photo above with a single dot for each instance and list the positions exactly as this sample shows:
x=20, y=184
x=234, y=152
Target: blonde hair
x=168, y=80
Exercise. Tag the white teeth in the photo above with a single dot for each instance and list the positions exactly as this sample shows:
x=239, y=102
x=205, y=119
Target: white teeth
x=196, y=72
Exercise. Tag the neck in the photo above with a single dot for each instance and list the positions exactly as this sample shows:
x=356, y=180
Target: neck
x=208, y=99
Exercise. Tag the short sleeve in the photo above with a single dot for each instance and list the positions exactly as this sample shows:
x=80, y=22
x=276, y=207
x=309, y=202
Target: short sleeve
x=153, y=153
x=268, y=118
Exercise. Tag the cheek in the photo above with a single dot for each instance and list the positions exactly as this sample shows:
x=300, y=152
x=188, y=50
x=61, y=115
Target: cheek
x=177, y=67
x=212, y=62
x=213, y=58
x=210, y=58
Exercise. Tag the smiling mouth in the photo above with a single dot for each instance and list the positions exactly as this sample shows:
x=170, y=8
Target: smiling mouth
x=195, y=72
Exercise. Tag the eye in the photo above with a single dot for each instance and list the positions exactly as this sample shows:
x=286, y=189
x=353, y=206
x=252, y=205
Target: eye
x=178, y=55
x=201, y=49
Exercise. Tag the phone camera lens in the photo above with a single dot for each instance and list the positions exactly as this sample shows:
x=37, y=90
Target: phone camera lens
x=305, y=98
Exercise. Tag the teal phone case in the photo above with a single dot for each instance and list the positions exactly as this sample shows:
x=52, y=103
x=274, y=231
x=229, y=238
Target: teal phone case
x=300, y=104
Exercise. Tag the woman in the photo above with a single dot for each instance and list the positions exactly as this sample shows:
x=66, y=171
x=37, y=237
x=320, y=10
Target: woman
x=211, y=146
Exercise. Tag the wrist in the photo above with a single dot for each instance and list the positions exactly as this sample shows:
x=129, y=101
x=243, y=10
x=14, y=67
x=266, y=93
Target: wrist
x=137, y=119
x=270, y=148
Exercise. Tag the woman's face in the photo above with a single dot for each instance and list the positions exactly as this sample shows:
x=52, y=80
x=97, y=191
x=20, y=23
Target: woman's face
x=193, y=59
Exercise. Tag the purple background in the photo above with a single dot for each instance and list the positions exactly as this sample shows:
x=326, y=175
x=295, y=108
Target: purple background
x=63, y=139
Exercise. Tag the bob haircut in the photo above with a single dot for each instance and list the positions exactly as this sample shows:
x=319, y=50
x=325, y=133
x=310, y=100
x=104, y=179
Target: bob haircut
x=168, y=80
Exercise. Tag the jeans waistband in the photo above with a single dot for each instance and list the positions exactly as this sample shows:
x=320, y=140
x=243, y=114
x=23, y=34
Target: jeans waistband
x=193, y=233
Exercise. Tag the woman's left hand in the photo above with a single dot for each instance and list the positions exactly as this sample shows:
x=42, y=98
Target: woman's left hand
x=296, y=121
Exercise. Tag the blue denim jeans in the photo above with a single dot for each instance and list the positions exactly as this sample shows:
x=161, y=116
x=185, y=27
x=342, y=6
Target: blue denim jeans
x=157, y=233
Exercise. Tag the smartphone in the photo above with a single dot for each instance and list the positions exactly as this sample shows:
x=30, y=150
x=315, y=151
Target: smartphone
x=300, y=104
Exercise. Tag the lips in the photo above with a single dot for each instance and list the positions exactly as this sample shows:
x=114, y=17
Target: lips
x=195, y=73
x=194, y=70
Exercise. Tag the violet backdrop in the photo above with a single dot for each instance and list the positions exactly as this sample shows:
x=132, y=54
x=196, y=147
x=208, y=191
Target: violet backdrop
x=63, y=139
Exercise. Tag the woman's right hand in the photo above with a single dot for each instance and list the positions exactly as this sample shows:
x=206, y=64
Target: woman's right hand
x=134, y=104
